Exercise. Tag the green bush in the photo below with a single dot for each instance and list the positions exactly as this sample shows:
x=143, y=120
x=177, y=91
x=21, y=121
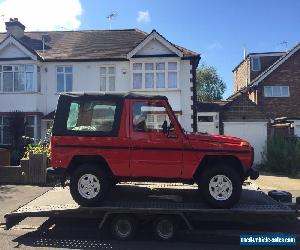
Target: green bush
x=282, y=156
x=38, y=148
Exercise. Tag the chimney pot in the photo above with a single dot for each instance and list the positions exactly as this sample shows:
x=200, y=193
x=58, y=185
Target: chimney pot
x=15, y=28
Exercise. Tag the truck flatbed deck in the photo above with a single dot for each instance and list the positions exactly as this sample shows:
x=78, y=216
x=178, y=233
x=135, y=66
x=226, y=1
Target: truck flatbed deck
x=132, y=198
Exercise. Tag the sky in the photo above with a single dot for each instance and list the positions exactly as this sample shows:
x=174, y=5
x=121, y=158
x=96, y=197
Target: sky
x=218, y=30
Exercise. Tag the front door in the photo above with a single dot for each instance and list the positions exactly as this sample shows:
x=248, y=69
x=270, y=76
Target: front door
x=153, y=152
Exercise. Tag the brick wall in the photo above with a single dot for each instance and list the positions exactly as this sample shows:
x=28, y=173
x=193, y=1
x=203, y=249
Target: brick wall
x=287, y=74
x=241, y=109
x=241, y=75
x=265, y=62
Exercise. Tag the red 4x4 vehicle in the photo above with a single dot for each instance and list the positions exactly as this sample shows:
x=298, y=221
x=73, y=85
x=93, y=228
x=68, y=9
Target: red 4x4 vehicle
x=101, y=139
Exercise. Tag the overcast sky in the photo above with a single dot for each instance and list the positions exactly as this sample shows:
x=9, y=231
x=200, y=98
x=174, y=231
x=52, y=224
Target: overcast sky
x=218, y=30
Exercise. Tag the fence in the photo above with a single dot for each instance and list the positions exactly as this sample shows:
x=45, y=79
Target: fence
x=32, y=171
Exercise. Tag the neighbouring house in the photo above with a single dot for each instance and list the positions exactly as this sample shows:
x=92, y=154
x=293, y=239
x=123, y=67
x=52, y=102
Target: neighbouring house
x=272, y=81
x=36, y=66
x=265, y=102
x=238, y=117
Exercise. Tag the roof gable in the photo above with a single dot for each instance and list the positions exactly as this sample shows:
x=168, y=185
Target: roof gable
x=274, y=66
x=154, y=47
x=151, y=42
x=11, y=47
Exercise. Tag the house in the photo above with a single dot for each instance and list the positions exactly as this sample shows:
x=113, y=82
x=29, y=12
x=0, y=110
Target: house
x=36, y=66
x=238, y=117
x=272, y=81
x=265, y=102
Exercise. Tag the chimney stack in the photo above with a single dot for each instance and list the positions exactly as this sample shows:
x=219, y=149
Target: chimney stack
x=15, y=28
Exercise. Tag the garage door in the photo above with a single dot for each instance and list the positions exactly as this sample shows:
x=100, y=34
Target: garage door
x=253, y=132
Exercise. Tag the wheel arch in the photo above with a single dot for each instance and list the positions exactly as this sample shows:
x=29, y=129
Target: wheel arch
x=98, y=160
x=210, y=160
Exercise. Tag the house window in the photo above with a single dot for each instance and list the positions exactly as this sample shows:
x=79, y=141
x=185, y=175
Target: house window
x=276, y=91
x=206, y=118
x=29, y=130
x=64, y=76
x=30, y=123
x=107, y=78
x=255, y=62
x=39, y=79
x=158, y=75
x=5, y=137
x=16, y=78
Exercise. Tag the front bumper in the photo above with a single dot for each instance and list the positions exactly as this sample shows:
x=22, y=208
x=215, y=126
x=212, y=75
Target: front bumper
x=252, y=173
x=56, y=172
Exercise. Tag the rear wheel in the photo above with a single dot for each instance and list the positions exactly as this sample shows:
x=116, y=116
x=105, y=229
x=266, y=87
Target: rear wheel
x=123, y=227
x=220, y=186
x=88, y=185
x=164, y=228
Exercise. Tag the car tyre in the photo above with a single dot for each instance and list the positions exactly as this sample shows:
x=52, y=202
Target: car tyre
x=220, y=186
x=89, y=185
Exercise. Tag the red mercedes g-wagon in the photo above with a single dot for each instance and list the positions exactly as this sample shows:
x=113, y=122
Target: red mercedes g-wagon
x=101, y=139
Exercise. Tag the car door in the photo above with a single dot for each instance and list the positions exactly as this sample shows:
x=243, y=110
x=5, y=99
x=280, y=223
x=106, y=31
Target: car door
x=153, y=152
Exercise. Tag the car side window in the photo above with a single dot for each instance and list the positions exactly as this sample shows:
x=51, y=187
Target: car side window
x=91, y=116
x=149, y=117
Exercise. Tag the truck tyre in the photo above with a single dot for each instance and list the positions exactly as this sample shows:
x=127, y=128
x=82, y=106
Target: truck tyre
x=220, y=186
x=164, y=228
x=281, y=196
x=88, y=185
x=123, y=227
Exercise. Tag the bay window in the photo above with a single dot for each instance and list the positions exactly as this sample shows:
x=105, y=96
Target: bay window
x=155, y=75
x=17, y=78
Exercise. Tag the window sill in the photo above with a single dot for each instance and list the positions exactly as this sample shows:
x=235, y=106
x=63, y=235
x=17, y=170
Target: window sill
x=277, y=96
x=156, y=90
x=24, y=92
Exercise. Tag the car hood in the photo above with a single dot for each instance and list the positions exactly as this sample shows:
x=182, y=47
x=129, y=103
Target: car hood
x=214, y=138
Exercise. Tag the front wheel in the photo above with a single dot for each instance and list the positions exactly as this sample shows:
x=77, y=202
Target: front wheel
x=88, y=185
x=220, y=186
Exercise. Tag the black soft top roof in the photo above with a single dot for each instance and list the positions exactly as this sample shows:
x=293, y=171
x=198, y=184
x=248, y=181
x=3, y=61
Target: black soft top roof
x=121, y=95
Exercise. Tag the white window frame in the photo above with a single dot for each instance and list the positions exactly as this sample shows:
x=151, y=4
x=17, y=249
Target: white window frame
x=143, y=71
x=259, y=63
x=107, y=75
x=64, y=73
x=272, y=91
x=13, y=65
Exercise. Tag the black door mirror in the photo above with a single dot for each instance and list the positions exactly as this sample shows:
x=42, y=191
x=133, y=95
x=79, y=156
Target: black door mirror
x=164, y=127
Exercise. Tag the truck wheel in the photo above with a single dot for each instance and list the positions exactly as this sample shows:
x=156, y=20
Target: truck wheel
x=220, y=186
x=123, y=227
x=164, y=228
x=88, y=185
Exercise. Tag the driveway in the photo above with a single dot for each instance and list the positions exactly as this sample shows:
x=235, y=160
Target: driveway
x=13, y=196
x=269, y=182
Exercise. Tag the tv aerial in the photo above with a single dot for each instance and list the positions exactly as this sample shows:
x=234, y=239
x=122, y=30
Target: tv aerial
x=110, y=17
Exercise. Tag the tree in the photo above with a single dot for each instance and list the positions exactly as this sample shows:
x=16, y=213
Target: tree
x=210, y=87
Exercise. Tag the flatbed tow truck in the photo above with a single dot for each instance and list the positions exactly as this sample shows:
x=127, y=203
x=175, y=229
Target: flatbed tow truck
x=167, y=207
